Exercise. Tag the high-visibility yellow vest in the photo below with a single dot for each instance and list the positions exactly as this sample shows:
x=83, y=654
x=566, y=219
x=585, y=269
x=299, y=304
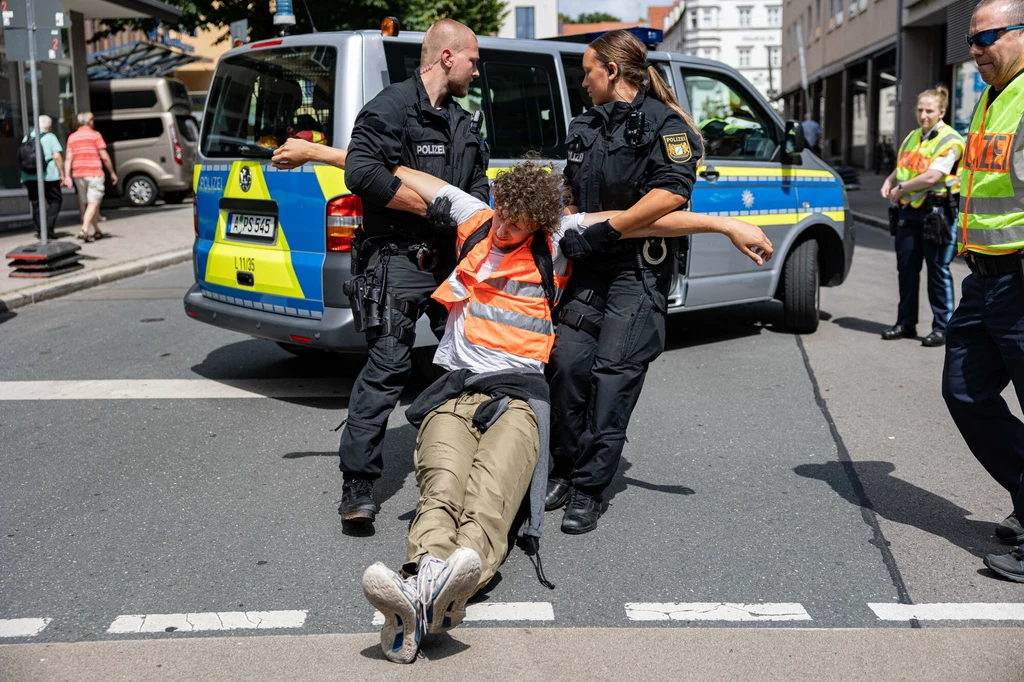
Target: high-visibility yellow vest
x=917, y=154
x=992, y=176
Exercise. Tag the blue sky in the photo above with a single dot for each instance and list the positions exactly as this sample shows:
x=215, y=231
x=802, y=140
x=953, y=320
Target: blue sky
x=627, y=10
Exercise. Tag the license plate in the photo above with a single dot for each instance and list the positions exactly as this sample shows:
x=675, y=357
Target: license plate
x=261, y=226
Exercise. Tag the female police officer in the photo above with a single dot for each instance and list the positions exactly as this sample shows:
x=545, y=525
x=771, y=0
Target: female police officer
x=924, y=187
x=637, y=151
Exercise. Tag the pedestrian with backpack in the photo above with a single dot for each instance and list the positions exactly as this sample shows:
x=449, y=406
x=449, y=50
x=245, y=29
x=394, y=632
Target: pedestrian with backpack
x=53, y=173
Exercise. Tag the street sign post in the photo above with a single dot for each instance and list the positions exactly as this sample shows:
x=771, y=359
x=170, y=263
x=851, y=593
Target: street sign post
x=239, y=31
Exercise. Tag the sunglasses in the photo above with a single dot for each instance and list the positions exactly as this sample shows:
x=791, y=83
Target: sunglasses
x=989, y=37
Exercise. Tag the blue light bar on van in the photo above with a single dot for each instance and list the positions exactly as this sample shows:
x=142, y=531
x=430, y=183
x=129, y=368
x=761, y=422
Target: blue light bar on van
x=651, y=37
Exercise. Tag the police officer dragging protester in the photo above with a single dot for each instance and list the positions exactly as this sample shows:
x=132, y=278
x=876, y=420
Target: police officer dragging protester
x=984, y=344
x=634, y=150
x=398, y=258
x=924, y=190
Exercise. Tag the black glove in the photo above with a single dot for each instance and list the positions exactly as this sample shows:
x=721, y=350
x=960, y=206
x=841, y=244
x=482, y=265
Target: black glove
x=439, y=215
x=596, y=238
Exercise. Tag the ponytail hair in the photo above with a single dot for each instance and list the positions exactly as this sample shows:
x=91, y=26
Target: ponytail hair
x=630, y=55
x=940, y=93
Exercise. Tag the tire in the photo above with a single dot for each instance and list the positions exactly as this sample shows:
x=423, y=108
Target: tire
x=801, y=289
x=175, y=197
x=141, y=190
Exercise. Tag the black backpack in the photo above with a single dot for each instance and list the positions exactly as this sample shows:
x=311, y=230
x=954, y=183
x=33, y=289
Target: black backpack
x=27, y=156
x=538, y=248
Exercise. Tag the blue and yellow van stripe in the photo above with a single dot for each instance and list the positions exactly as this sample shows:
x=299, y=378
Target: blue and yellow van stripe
x=288, y=273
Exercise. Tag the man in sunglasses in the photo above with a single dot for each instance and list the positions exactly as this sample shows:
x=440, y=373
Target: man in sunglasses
x=984, y=339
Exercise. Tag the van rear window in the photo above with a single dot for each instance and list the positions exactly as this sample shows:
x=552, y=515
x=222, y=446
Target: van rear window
x=261, y=98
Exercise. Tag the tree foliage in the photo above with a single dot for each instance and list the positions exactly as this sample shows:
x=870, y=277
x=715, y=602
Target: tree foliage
x=588, y=18
x=483, y=16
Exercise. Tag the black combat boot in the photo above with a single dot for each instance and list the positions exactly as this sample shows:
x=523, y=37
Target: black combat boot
x=357, y=503
x=900, y=331
x=582, y=513
x=558, y=494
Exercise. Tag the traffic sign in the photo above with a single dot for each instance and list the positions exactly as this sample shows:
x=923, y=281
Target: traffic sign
x=15, y=13
x=239, y=31
x=49, y=14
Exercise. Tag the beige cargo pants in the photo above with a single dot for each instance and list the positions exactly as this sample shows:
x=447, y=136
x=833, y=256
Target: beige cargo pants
x=471, y=483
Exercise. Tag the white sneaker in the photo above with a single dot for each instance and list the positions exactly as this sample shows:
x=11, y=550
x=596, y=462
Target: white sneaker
x=397, y=600
x=445, y=587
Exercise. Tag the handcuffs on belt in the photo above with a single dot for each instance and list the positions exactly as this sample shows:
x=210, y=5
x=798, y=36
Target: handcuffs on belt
x=424, y=256
x=648, y=258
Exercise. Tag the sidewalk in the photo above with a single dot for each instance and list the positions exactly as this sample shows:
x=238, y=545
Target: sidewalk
x=135, y=240
x=867, y=204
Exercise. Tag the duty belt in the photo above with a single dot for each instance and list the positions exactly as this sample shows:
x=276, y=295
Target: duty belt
x=993, y=266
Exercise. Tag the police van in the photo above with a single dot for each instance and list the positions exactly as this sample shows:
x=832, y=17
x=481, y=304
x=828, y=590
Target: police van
x=272, y=247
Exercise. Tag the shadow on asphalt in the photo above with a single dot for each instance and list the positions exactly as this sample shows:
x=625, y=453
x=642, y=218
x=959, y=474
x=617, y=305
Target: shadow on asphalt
x=902, y=502
x=434, y=648
x=860, y=325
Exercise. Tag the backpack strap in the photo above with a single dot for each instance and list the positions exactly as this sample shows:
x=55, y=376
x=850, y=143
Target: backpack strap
x=472, y=240
x=541, y=250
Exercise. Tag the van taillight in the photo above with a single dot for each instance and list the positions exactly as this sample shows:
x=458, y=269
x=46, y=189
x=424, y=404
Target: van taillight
x=178, y=159
x=344, y=217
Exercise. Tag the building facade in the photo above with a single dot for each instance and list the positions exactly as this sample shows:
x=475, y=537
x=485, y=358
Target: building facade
x=866, y=61
x=745, y=34
x=530, y=19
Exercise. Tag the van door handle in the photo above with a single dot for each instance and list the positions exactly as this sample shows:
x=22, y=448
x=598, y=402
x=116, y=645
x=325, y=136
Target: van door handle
x=709, y=174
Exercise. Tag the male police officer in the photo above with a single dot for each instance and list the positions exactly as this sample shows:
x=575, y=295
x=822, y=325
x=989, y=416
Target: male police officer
x=415, y=124
x=984, y=345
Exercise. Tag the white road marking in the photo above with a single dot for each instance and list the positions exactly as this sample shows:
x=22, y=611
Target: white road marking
x=23, y=627
x=517, y=611
x=715, y=611
x=975, y=611
x=196, y=622
x=174, y=389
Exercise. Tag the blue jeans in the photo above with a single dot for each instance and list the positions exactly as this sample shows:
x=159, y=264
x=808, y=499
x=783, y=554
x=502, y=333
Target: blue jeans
x=984, y=353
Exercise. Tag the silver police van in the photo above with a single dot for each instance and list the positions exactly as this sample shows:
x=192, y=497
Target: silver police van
x=272, y=247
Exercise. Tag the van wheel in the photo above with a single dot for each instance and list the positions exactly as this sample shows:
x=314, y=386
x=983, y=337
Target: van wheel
x=801, y=289
x=175, y=197
x=141, y=190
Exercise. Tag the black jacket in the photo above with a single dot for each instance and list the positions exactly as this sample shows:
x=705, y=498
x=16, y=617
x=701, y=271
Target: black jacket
x=400, y=127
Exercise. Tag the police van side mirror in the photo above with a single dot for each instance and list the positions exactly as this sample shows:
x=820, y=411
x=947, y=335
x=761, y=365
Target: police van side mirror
x=794, y=142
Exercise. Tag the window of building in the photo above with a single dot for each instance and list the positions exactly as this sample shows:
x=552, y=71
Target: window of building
x=745, y=13
x=693, y=18
x=817, y=13
x=744, y=56
x=853, y=8
x=709, y=52
x=839, y=11
x=524, y=23
x=731, y=126
x=775, y=16
x=709, y=17
x=774, y=57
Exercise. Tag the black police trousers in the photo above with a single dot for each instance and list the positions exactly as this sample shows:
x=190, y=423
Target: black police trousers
x=380, y=382
x=596, y=382
x=912, y=249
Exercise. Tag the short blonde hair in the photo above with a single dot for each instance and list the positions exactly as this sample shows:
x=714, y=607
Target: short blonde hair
x=85, y=118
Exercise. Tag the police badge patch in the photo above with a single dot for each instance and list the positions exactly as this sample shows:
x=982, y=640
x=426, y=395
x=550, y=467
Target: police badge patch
x=678, y=147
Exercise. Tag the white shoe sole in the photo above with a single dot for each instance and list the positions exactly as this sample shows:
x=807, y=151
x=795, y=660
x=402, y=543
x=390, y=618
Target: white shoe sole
x=399, y=638
x=449, y=608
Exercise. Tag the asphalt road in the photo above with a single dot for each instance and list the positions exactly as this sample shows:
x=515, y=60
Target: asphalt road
x=820, y=472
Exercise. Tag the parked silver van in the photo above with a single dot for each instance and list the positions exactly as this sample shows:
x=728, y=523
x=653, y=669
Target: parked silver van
x=151, y=136
x=285, y=284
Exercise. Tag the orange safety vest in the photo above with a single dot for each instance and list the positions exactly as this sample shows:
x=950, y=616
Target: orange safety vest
x=509, y=310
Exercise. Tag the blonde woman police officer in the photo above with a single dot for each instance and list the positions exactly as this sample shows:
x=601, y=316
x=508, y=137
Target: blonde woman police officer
x=924, y=189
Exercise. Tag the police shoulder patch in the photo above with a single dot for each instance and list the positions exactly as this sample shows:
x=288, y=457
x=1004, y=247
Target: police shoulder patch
x=678, y=147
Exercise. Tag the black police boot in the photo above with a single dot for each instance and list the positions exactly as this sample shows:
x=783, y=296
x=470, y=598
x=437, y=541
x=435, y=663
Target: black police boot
x=582, y=513
x=558, y=493
x=934, y=340
x=1010, y=530
x=357, y=503
x=900, y=331
x=1010, y=566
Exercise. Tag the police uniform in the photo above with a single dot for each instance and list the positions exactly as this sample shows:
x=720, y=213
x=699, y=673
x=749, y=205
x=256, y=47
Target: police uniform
x=924, y=228
x=401, y=127
x=984, y=343
x=611, y=323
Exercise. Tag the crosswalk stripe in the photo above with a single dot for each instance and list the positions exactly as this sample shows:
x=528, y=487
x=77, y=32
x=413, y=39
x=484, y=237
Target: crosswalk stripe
x=949, y=611
x=23, y=627
x=174, y=389
x=715, y=611
x=197, y=622
x=514, y=611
